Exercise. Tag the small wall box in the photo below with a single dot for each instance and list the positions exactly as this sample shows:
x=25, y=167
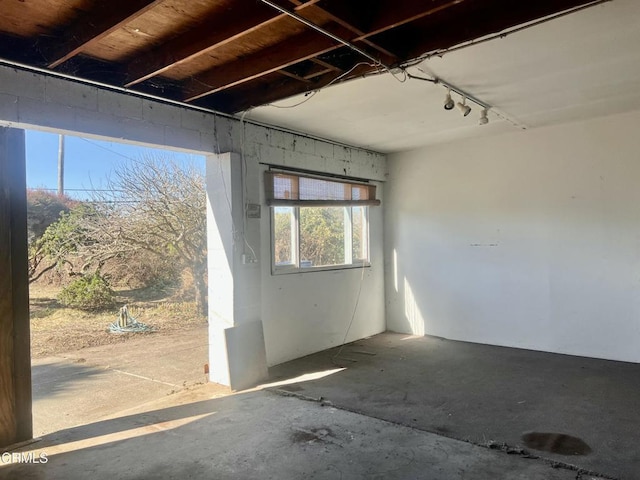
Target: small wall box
x=253, y=210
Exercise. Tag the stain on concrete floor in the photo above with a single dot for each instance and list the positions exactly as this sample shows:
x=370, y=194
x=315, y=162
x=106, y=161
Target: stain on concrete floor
x=559, y=443
x=311, y=435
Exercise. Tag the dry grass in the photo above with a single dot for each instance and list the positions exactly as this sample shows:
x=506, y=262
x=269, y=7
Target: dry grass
x=56, y=329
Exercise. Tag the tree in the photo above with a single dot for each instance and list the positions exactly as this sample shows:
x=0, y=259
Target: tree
x=321, y=235
x=153, y=207
x=282, y=234
x=44, y=210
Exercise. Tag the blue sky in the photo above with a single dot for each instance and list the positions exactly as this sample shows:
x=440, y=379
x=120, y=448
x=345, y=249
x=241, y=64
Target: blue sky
x=87, y=161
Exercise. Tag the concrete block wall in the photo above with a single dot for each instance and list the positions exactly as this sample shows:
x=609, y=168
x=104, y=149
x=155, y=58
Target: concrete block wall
x=32, y=100
x=303, y=313
x=300, y=313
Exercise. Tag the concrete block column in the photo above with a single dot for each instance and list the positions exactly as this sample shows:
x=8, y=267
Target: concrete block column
x=237, y=355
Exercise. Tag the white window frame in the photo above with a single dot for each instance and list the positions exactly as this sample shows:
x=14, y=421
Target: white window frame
x=350, y=263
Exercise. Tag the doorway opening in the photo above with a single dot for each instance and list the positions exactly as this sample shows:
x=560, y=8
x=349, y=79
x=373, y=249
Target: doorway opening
x=117, y=275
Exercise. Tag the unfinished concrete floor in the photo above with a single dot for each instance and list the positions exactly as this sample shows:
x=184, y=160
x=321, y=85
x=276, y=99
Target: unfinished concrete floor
x=484, y=394
x=263, y=435
x=90, y=384
x=399, y=410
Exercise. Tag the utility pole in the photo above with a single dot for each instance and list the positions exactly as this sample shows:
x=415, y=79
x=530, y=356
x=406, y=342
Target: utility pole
x=61, y=165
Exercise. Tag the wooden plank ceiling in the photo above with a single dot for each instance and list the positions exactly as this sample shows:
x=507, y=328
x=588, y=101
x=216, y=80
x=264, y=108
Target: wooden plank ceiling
x=230, y=55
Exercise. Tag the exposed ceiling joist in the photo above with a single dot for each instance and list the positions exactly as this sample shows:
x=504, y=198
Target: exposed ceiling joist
x=233, y=54
x=329, y=15
x=199, y=41
x=327, y=65
x=104, y=19
x=393, y=14
x=244, y=97
x=299, y=3
x=294, y=76
x=298, y=48
x=294, y=50
x=317, y=71
x=204, y=40
x=421, y=44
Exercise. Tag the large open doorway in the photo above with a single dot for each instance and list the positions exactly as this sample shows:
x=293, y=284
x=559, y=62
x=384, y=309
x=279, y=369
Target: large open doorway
x=117, y=267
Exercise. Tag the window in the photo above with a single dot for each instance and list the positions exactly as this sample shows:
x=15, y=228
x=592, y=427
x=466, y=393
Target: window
x=318, y=223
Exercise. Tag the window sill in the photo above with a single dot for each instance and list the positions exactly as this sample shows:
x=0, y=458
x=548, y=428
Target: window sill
x=328, y=268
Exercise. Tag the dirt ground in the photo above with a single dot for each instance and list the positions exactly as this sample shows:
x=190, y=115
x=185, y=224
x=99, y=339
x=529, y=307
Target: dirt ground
x=56, y=329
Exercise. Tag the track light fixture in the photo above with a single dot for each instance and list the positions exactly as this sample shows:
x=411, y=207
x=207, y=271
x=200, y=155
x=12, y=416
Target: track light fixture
x=462, y=105
x=483, y=117
x=448, y=101
x=464, y=108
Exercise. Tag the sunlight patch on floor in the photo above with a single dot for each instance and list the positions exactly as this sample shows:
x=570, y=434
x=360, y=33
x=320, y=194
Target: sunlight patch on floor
x=307, y=377
x=164, y=427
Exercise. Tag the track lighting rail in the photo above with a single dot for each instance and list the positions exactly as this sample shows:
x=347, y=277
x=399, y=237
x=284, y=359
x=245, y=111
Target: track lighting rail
x=449, y=104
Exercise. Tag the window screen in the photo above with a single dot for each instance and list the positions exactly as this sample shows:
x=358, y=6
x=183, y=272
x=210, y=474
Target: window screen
x=292, y=189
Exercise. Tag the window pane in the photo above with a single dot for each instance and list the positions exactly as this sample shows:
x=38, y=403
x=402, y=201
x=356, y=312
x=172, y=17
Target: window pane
x=359, y=232
x=321, y=236
x=283, y=220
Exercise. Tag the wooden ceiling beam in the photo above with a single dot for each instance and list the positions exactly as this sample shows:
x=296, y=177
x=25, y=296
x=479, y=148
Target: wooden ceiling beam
x=348, y=14
x=393, y=14
x=327, y=65
x=293, y=50
x=320, y=69
x=265, y=91
x=271, y=59
x=203, y=39
x=100, y=22
x=200, y=40
x=245, y=97
x=300, y=3
x=318, y=72
x=340, y=20
x=294, y=76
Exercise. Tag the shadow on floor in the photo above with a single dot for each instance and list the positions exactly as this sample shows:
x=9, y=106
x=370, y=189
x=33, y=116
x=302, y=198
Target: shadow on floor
x=56, y=377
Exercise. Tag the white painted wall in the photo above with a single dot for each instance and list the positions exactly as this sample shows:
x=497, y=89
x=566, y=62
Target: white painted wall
x=308, y=312
x=529, y=240
x=303, y=313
